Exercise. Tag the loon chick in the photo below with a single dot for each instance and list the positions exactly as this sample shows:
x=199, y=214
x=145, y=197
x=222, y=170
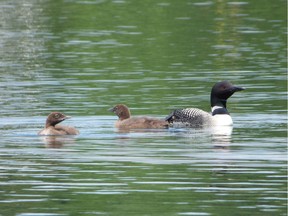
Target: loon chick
x=193, y=117
x=125, y=120
x=52, y=129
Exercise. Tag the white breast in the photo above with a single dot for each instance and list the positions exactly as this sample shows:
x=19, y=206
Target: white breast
x=222, y=120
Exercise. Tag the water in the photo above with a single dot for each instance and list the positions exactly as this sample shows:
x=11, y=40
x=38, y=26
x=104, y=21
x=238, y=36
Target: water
x=83, y=57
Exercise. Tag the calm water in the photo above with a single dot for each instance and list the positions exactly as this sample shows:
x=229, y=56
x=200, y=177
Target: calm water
x=83, y=57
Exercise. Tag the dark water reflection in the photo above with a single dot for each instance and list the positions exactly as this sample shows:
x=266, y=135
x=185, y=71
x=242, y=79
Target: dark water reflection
x=82, y=57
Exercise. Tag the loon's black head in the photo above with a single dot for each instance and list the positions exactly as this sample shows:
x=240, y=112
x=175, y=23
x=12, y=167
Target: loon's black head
x=221, y=91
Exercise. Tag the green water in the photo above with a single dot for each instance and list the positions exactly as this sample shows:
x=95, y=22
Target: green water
x=83, y=57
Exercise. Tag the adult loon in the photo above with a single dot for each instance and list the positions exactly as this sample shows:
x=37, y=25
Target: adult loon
x=52, y=129
x=194, y=117
x=125, y=120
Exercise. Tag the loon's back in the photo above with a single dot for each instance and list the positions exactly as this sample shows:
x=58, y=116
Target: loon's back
x=194, y=117
x=188, y=117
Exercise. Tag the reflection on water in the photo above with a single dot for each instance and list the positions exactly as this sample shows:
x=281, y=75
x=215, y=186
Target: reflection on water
x=81, y=57
x=221, y=134
x=57, y=141
x=163, y=166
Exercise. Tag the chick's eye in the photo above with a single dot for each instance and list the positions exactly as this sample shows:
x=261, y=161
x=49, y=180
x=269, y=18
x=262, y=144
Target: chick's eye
x=56, y=116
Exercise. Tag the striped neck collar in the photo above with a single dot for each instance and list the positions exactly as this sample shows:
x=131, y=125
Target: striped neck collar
x=216, y=110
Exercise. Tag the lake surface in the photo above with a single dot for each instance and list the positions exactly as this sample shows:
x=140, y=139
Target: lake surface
x=83, y=57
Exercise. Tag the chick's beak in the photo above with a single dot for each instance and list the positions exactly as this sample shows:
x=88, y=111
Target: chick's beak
x=66, y=117
x=111, y=109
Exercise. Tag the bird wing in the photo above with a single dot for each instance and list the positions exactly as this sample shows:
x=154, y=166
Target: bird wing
x=188, y=117
x=143, y=122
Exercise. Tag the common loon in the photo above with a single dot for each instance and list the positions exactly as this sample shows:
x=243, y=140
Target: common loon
x=52, y=129
x=125, y=120
x=194, y=117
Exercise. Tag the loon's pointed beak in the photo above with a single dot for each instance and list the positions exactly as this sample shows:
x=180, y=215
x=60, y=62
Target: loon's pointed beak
x=237, y=88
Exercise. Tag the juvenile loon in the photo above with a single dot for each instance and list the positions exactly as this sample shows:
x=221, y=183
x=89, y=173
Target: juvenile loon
x=194, y=117
x=52, y=129
x=125, y=120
